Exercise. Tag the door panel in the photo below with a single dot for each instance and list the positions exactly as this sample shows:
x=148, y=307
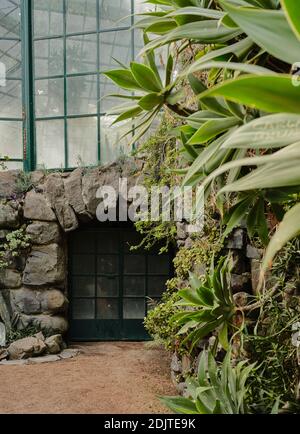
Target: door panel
x=110, y=285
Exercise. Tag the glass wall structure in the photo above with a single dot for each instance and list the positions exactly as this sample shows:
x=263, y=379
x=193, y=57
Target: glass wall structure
x=52, y=111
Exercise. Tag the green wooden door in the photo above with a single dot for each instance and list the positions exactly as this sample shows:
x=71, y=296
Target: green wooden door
x=111, y=287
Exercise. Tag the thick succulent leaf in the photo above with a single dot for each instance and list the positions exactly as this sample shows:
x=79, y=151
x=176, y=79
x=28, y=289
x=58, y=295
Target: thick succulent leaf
x=211, y=129
x=180, y=405
x=260, y=25
x=207, y=31
x=237, y=214
x=145, y=77
x=291, y=9
x=271, y=93
x=198, y=12
x=231, y=66
x=288, y=229
x=267, y=132
x=284, y=174
x=123, y=78
x=150, y=101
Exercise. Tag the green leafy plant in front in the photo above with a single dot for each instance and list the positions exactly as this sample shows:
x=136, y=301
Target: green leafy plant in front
x=207, y=306
x=216, y=390
x=240, y=139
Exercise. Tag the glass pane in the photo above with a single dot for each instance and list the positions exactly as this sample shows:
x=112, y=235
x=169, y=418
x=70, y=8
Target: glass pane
x=11, y=139
x=107, y=242
x=107, y=103
x=134, y=309
x=134, y=286
x=10, y=56
x=49, y=57
x=108, y=287
x=158, y=264
x=82, y=142
x=134, y=264
x=81, y=15
x=11, y=99
x=83, y=242
x=112, y=146
x=156, y=286
x=10, y=18
x=107, y=308
x=115, y=45
x=49, y=97
x=83, y=264
x=50, y=144
x=82, y=95
x=111, y=12
x=83, y=309
x=83, y=286
x=48, y=17
x=82, y=54
x=107, y=264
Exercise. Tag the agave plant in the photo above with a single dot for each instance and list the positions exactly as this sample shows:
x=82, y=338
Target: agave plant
x=217, y=390
x=208, y=306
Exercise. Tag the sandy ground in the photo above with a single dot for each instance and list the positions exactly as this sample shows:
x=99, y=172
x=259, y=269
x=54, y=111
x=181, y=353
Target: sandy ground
x=107, y=378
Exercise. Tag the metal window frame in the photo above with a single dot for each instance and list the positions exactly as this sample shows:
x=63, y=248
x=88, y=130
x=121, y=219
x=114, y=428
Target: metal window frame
x=29, y=78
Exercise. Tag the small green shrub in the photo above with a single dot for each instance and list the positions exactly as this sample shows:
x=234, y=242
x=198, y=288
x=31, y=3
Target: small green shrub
x=16, y=243
x=158, y=322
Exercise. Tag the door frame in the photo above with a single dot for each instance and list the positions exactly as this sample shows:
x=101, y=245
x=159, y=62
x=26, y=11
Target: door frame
x=127, y=330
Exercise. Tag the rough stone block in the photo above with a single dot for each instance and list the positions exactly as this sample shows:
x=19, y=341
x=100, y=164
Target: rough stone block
x=44, y=233
x=25, y=348
x=73, y=192
x=54, y=344
x=236, y=240
x=46, y=265
x=9, y=217
x=8, y=183
x=10, y=279
x=36, y=207
x=30, y=301
x=253, y=252
x=55, y=192
x=241, y=283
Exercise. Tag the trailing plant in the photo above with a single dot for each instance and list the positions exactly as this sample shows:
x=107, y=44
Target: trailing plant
x=217, y=389
x=15, y=243
x=159, y=153
x=158, y=322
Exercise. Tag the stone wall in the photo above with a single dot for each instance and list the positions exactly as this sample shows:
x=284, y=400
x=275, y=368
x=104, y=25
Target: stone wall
x=34, y=289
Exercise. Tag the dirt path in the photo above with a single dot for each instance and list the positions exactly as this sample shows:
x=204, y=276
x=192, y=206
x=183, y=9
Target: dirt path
x=110, y=378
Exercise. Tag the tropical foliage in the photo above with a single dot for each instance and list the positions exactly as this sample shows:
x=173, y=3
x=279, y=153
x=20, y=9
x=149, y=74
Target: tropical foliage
x=244, y=136
x=236, y=104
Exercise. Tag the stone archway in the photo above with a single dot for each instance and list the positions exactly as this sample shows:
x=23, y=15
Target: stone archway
x=34, y=287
